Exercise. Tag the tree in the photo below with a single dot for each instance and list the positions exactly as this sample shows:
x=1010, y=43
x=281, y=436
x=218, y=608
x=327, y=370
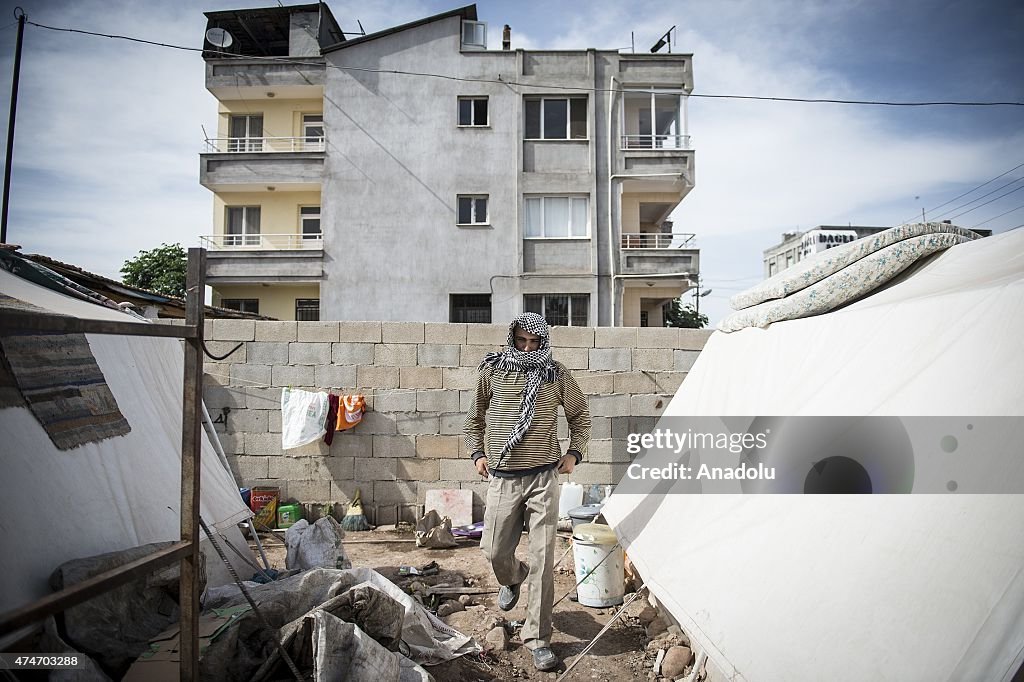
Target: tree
x=678, y=314
x=161, y=270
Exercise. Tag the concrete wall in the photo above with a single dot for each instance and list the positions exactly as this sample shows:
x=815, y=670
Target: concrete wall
x=419, y=379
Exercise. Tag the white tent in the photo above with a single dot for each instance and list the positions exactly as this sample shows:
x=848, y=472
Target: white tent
x=121, y=492
x=884, y=587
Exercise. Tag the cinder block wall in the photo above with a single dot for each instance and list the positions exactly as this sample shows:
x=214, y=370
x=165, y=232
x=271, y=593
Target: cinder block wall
x=418, y=379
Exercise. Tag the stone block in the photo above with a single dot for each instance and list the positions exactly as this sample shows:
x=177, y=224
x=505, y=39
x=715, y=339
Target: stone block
x=351, y=444
x=444, y=332
x=394, y=354
x=235, y=348
x=466, y=400
x=291, y=468
x=249, y=468
x=376, y=469
x=694, y=339
x=669, y=382
x=461, y=469
x=263, y=398
x=324, y=332
x=594, y=383
x=417, y=423
x=486, y=334
x=267, y=353
x=415, y=469
x=275, y=331
x=608, y=451
x=216, y=374
x=572, y=337
x=249, y=374
x=263, y=444
x=600, y=427
x=275, y=421
x=437, y=401
x=309, y=353
x=378, y=423
x=394, y=492
x=375, y=378
x=438, y=355
x=334, y=376
x=611, y=359
x=609, y=405
x=419, y=377
x=359, y=332
x=232, y=443
x=248, y=421
x=233, y=330
x=334, y=468
x=343, y=491
x=217, y=397
x=434, y=446
x=352, y=353
x=615, y=337
x=599, y=473
x=459, y=378
x=645, y=405
x=657, y=337
x=394, y=446
x=634, y=382
x=573, y=358
x=309, y=492
x=317, y=448
x=402, y=332
x=654, y=359
x=395, y=401
x=472, y=356
x=684, y=359
x=293, y=375
x=452, y=424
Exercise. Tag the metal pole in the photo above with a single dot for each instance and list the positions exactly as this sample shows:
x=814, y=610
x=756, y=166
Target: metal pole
x=191, y=441
x=20, y=14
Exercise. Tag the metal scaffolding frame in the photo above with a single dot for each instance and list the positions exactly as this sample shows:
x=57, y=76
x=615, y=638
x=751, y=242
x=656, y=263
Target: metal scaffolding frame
x=187, y=550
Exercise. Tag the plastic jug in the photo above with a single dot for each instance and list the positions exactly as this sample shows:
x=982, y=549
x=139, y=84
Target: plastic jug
x=571, y=497
x=288, y=514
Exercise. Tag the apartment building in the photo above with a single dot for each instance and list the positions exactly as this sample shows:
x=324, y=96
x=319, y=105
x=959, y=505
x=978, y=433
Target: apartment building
x=414, y=174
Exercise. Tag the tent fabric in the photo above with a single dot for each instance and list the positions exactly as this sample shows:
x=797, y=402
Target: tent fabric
x=896, y=587
x=102, y=496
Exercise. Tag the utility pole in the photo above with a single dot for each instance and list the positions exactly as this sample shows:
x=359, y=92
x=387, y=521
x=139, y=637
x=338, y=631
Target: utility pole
x=20, y=14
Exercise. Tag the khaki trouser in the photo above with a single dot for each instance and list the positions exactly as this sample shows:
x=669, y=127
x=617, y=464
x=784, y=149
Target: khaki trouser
x=509, y=501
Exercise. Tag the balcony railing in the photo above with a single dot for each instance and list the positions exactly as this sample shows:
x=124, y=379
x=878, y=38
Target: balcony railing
x=232, y=145
x=630, y=142
x=261, y=242
x=658, y=240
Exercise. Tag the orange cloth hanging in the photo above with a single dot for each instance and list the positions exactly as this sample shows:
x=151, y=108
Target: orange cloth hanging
x=350, y=411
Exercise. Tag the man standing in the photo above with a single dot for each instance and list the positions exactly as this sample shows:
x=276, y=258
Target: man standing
x=512, y=432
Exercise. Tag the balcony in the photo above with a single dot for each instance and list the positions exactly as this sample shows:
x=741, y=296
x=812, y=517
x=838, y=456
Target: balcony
x=656, y=253
x=263, y=258
x=254, y=164
x=655, y=142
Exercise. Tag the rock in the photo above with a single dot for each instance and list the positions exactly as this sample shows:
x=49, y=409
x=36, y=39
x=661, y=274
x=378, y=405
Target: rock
x=496, y=639
x=675, y=661
x=647, y=614
x=417, y=586
x=448, y=608
x=463, y=621
x=656, y=627
x=466, y=599
x=675, y=630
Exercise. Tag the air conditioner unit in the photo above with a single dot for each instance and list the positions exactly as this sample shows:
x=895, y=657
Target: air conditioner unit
x=474, y=35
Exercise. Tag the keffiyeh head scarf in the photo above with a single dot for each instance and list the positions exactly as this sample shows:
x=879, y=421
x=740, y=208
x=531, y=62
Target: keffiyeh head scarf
x=536, y=364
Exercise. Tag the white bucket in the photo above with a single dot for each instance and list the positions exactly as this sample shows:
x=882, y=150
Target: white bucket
x=605, y=586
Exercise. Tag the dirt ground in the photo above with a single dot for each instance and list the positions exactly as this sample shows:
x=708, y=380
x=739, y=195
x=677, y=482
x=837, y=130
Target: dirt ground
x=619, y=654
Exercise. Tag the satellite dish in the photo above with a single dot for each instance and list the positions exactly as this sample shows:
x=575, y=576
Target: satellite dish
x=219, y=37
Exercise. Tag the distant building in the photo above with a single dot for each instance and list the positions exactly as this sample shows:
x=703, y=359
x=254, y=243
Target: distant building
x=796, y=246
x=347, y=187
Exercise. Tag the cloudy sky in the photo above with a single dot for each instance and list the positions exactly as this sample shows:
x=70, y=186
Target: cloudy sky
x=106, y=156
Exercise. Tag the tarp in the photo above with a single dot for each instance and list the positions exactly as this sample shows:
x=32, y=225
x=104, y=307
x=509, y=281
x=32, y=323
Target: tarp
x=885, y=587
x=121, y=492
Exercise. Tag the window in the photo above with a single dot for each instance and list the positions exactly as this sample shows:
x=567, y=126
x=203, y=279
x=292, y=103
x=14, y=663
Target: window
x=309, y=216
x=313, y=132
x=475, y=308
x=556, y=217
x=245, y=133
x=474, y=35
x=556, y=118
x=562, y=310
x=245, y=305
x=473, y=111
x=472, y=209
x=307, y=309
x=242, y=226
x=644, y=318
x=653, y=119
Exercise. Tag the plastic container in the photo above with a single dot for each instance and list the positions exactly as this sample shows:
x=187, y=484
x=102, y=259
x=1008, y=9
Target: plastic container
x=263, y=502
x=288, y=514
x=585, y=514
x=605, y=585
x=571, y=497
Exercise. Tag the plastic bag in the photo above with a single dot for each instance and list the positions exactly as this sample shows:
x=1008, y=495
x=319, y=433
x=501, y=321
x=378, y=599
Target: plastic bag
x=302, y=417
x=435, y=532
x=350, y=411
x=316, y=546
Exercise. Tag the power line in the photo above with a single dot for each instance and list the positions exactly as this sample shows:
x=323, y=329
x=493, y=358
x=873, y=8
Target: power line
x=988, y=202
x=975, y=189
x=501, y=81
x=999, y=216
x=986, y=194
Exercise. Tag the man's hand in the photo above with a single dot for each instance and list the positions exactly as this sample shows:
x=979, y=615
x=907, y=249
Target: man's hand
x=567, y=464
x=481, y=467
